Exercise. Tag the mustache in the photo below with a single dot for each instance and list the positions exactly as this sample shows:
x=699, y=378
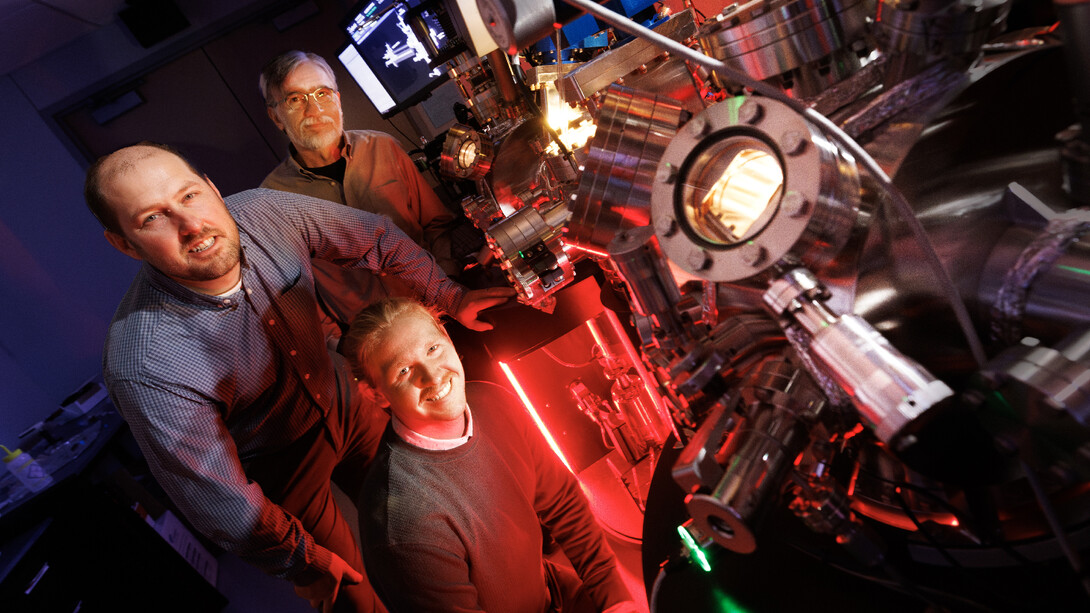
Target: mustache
x=206, y=232
x=310, y=121
x=431, y=391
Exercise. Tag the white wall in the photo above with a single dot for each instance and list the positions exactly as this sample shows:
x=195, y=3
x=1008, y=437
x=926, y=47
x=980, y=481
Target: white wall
x=59, y=279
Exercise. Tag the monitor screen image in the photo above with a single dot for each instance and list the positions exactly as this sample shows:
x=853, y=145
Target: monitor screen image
x=385, y=57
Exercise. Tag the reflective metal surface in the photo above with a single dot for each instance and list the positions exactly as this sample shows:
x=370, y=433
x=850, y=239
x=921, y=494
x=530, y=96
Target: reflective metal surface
x=531, y=252
x=922, y=32
x=601, y=72
x=614, y=191
x=466, y=155
x=858, y=280
x=803, y=46
x=799, y=197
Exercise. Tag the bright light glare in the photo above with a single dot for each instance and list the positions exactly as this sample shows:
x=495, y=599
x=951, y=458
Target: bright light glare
x=572, y=125
x=534, y=415
x=694, y=549
x=738, y=197
x=467, y=154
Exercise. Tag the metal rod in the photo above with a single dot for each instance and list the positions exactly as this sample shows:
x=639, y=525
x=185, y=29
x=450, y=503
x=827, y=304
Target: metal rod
x=1055, y=524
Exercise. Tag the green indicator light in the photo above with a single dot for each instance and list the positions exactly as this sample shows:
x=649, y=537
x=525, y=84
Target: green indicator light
x=1081, y=271
x=726, y=603
x=694, y=549
x=1001, y=405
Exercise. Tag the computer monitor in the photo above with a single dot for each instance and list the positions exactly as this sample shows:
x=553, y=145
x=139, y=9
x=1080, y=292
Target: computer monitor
x=392, y=66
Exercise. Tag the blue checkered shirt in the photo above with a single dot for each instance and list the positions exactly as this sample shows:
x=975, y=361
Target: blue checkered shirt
x=207, y=382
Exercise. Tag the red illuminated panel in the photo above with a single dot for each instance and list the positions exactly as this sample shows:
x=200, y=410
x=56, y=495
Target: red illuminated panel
x=533, y=414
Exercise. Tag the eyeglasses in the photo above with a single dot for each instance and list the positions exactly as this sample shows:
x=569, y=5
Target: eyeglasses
x=323, y=96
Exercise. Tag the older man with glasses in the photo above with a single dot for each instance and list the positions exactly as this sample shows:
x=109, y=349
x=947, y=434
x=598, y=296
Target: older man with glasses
x=363, y=169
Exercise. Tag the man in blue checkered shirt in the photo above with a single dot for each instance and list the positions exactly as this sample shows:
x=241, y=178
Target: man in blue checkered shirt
x=216, y=359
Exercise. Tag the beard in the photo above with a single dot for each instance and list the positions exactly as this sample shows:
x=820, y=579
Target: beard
x=230, y=253
x=304, y=138
x=187, y=267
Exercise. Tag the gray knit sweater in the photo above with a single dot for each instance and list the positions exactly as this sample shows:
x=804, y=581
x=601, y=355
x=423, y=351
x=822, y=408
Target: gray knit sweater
x=458, y=530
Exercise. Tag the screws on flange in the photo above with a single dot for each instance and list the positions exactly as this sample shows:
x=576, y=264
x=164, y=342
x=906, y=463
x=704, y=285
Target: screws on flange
x=750, y=111
x=793, y=142
x=795, y=204
x=666, y=173
x=699, y=259
x=666, y=226
x=753, y=255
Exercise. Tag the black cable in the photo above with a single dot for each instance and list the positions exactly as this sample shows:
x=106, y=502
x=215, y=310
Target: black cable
x=956, y=512
x=897, y=582
x=922, y=530
x=653, y=601
x=400, y=131
x=667, y=565
x=564, y=363
x=608, y=444
x=698, y=12
x=536, y=111
x=620, y=536
x=1054, y=523
x=946, y=504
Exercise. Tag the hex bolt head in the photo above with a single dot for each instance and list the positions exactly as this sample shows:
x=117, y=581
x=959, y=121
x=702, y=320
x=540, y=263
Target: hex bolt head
x=698, y=259
x=698, y=126
x=751, y=111
x=753, y=255
x=795, y=204
x=793, y=142
x=666, y=226
x=667, y=173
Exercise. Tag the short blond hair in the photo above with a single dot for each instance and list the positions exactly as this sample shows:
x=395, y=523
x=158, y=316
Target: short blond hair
x=372, y=323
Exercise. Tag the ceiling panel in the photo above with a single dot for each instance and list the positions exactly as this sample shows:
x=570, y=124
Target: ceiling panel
x=98, y=12
x=29, y=30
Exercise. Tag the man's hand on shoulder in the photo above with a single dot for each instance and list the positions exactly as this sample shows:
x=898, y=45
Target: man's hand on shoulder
x=478, y=300
x=322, y=593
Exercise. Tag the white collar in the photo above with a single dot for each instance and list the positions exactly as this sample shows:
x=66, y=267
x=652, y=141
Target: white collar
x=432, y=444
